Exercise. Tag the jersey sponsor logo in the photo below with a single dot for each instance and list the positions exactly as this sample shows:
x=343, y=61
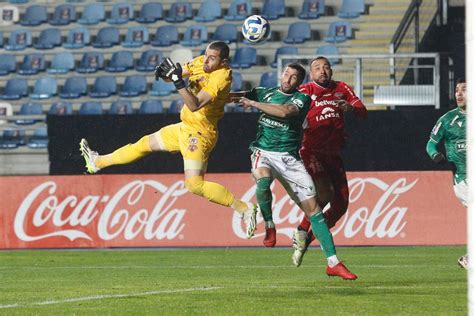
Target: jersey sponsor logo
x=272, y=123
x=298, y=103
x=325, y=103
x=461, y=145
x=327, y=113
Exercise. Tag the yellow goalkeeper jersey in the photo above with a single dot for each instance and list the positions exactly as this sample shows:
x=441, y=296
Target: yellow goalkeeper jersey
x=217, y=85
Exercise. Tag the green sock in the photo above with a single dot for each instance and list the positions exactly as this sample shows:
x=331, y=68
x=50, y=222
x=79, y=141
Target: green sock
x=322, y=233
x=264, y=197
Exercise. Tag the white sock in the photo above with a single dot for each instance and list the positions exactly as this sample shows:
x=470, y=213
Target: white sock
x=269, y=224
x=333, y=261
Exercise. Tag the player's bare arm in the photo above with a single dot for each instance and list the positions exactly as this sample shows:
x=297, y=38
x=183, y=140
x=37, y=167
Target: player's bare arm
x=277, y=110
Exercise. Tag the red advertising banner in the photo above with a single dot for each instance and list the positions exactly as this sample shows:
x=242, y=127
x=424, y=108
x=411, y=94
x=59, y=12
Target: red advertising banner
x=386, y=208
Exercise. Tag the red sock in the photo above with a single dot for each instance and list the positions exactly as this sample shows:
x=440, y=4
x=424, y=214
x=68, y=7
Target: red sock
x=305, y=224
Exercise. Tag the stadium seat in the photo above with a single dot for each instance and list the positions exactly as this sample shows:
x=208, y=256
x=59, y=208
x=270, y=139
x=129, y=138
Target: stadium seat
x=9, y=15
x=32, y=64
x=209, y=11
x=133, y=86
x=351, y=9
x=19, y=40
x=60, y=108
x=34, y=15
x=49, y=38
x=298, y=32
x=2, y=39
x=74, y=88
x=63, y=15
x=329, y=50
x=239, y=10
x=273, y=9
x=166, y=35
x=151, y=107
x=62, y=63
x=77, y=38
x=225, y=33
x=29, y=109
x=39, y=139
x=90, y=108
x=12, y=138
x=121, y=61
x=179, y=12
x=149, y=60
x=19, y=1
x=91, y=62
x=44, y=88
x=269, y=79
x=181, y=55
x=104, y=87
x=285, y=50
x=162, y=88
x=176, y=106
x=136, y=36
x=245, y=57
x=93, y=13
x=312, y=9
x=237, y=82
x=150, y=13
x=7, y=64
x=15, y=89
x=121, y=107
x=338, y=32
x=107, y=37
x=195, y=35
x=6, y=110
x=121, y=13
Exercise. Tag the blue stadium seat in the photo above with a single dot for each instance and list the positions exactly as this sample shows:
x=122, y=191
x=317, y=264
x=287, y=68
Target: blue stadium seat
x=77, y=38
x=149, y=60
x=7, y=64
x=133, y=86
x=63, y=15
x=49, y=38
x=312, y=9
x=34, y=15
x=150, y=13
x=15, y=89
x=32, y=64
x=19, y=1
x=166, y=35
x=161, y=88
x=136, y=36
x=121, y=61
x=121, y=107
x=285, y=50
x=237, y=82
x=209, y=11
x=195, y=35
x=39, y=139
x=121, y=13
x=176, y=106
x=90, y=108
x=179, y=12
x=45, y=88
x=239, y=10
x=29, y=109
x=329, y=50
x=225, y=33
x=151, y=107
x=93, y=14
x=351, y=9
x=245, y=57
x=12, y=138
x=107, y=37
x=91, y=62
x=269, y=79
x=62, y=63
x=273, y=9
x=298, y=32
x=338, y=32
x=104, y=87
x=74, y=88
x=60, y=108
x=19, y=40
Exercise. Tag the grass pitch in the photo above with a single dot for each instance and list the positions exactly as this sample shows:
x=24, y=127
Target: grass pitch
x=244, y=281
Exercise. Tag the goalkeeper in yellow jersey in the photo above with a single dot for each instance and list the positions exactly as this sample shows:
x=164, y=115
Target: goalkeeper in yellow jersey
x=195, y=136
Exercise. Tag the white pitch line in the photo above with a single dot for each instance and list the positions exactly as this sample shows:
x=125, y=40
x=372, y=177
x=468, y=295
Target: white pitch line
x=102, y=297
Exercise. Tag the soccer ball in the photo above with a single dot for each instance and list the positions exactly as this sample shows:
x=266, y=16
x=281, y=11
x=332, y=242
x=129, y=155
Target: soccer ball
x=255, y=29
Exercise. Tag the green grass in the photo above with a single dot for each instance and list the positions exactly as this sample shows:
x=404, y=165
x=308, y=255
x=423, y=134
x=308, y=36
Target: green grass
x=392, y=280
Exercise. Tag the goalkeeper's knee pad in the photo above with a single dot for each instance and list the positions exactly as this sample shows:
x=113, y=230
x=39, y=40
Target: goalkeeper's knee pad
x=194, y=185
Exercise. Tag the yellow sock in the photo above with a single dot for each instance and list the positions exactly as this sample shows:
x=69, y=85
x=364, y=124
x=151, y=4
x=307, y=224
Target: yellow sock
x=126, y=154
x=212, y=191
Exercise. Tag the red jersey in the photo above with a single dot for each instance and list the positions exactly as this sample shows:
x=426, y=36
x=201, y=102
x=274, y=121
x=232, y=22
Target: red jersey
x=324, y=127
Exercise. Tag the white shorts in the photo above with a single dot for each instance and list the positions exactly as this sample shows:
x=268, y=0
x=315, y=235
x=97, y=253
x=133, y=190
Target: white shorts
x=460, y=189
x=288, y=170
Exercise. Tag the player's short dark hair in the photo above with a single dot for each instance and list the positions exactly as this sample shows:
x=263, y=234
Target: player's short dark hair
x=319, y=58
x=222, y=47
x=301, y=71
x=460, y=80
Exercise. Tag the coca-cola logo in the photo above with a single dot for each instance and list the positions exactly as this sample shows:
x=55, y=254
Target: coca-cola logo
x=116, y=216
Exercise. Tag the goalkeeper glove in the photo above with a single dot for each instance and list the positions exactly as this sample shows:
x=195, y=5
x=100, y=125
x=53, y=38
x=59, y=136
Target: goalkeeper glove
x=439, y=158
x=158, y=72
x=173, y=72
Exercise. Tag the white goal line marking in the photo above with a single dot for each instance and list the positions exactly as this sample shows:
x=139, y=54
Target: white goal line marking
x=107, y=296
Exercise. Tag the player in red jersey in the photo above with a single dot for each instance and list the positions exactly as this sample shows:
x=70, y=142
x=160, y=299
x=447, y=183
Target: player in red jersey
x=323, y=140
